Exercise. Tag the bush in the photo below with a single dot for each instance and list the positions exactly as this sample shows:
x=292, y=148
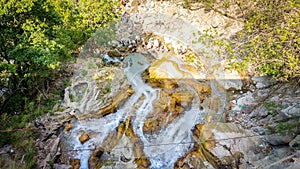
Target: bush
x=270, y=40
x=37, y=38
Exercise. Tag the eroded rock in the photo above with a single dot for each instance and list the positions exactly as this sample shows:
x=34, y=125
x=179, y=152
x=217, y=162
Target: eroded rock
x=167, y=108
x=179, y=89
x=138, y=148
x=75, y=163
x=99, y=95
x=84, y=138
x=114, y=53
x=124, y=134
x=171, y=67
x=216, y=146
x=295, y=143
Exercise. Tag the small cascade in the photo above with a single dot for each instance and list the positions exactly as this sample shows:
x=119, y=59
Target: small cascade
x=155, y=125
x=164, y=145
x=156, y=92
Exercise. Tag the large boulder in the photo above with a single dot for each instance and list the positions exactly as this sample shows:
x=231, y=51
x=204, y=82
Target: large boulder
x=220, y=145
x=167, y=108
x=279, y=139
x=171, y=67
x=97, y=95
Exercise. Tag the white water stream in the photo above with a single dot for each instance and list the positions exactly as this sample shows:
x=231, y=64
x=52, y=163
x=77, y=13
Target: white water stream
x=164, y=147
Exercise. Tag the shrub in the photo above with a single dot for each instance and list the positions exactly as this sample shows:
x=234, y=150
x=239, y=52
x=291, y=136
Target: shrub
x=270, y=40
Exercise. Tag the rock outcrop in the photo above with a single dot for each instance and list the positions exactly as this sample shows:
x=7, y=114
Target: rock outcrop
x=220, y=145
x=271, y=110
x=98, y=95
x=135, y=158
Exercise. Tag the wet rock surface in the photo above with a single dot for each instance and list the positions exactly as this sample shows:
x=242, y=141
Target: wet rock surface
x=133, y=157
x=83, y=138
x=166, y=109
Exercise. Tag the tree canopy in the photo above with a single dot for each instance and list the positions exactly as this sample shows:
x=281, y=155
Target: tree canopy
x=37, y=36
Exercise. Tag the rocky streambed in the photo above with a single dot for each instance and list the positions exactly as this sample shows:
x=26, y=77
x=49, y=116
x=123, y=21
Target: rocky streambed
x=146, y=94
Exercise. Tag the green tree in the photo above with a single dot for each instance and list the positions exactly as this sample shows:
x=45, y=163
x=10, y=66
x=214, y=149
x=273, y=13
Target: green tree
x=28, y=52
x=37, y=36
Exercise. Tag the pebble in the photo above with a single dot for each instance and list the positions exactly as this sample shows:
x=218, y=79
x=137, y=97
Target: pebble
x=149, y=45
x=114, y=43
x=84, y=138
x=156, y=43
x=242, y=118
x=138, y=39
x=69, y=127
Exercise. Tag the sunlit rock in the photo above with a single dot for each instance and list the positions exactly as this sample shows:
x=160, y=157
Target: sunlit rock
x=84, y=138
x=220, y=145
x=194, y=159
x=179, y=88
x=183, y=99
x=69, y=127
x=167, y=108
x=228, y=79
x=130, y=156
x=99, y=95
x=75, y=163
x=138, y=148
x=171, y=67
x=202, y=90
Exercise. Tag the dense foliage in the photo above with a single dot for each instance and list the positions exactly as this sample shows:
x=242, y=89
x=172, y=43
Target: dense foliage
x=37, y=37
x=270, y=40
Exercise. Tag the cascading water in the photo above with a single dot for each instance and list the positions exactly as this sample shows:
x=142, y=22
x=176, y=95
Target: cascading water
x=162, y=148
x=173, y=121
x=174, y=138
